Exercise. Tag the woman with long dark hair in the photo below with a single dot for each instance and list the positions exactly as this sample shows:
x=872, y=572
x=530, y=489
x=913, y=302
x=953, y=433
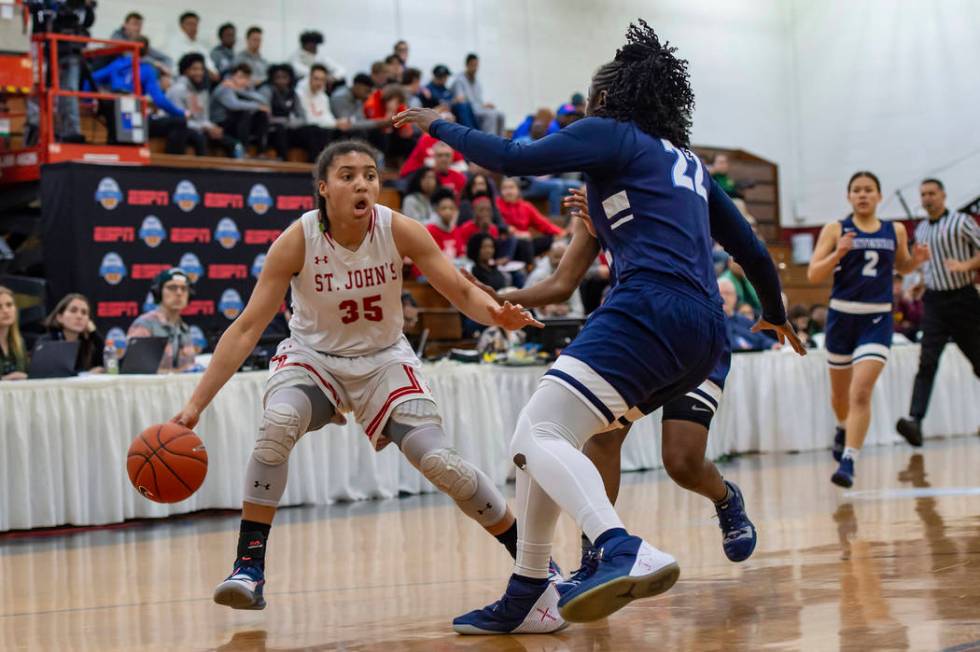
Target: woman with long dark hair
x=71, y=321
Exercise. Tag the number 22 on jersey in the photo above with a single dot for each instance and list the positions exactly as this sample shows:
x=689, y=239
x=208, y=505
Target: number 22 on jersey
x=679, y=172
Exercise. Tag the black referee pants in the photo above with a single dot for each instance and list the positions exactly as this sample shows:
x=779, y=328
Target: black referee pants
x=952, y=314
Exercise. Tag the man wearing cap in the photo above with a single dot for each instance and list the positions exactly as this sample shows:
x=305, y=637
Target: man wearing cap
x=437, y=93
x=171, y=290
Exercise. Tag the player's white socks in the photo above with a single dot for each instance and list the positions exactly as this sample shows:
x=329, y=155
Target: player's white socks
x=851, y=453
x=551, y=431
x=537, y=515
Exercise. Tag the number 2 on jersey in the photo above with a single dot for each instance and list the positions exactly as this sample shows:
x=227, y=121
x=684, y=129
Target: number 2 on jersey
x=679, y=171
x=372, y=311
x=871, y=266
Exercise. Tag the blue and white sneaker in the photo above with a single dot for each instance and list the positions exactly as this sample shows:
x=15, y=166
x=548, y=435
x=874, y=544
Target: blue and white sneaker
x=738, y=533
x=588, y=566
x=838, y=448
x=844, y=475
x=524, y=609
x=242, y=589
x=629, y=569
x=554, y=572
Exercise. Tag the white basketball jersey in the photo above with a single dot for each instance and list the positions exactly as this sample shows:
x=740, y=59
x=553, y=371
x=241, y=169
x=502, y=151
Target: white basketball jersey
x=347, y=302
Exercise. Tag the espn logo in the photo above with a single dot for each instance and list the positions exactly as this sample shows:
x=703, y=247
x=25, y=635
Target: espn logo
x=294, y=202
x=117, y=309
x=261, y=236
x=149, y=270
x=223, y=200
x=148, y=198
x=186, y=235
x=227, y=271
x=114, y=234
x=198, y=308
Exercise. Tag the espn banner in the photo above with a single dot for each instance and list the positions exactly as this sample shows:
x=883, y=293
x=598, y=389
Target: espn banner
x=108, y=230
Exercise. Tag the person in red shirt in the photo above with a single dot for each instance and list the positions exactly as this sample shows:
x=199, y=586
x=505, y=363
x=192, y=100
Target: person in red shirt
x=422, y=156
x=525, y=221
x=442, y=155
x=443, y=228
x=381, y=105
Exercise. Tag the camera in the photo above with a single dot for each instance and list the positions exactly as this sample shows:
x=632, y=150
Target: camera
x=62, y=16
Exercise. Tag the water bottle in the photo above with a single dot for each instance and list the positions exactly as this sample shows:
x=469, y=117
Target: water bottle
x=110, y=359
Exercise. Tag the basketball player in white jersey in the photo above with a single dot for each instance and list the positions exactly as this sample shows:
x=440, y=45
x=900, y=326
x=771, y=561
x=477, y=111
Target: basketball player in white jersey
x=346, y=353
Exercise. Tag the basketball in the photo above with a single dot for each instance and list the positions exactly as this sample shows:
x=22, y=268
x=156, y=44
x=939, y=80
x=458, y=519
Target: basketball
x=167, y=463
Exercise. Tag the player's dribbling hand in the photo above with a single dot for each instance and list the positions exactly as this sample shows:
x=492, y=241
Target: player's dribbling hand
x=784, y=332
x=188, y=416
x=483, y=286
x=513, y=318
x=421, y=117
x=845, y=243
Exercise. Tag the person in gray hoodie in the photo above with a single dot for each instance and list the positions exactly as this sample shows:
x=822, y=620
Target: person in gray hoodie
x=190, y=92
x=240, y=111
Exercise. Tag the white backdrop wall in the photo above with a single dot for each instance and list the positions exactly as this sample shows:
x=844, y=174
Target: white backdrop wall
x=821, y=88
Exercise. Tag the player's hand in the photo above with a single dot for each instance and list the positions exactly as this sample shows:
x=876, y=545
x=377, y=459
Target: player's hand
x=784, y=332
x=577, y=203
x=958, y=265
x=483, y=286
x=512, y=317
x=845, y=243
x=421, y=117
x=188, y=416
x=920, y=253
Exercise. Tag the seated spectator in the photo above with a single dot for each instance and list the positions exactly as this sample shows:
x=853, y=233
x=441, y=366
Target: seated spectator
x=799, y=316
x=534, y=127
x=288, y=123
x=442, y=163
x=13, y=354
x=443, y=227
x=747, y=311
x=412, y=82
x=252, y=56
x=818, y=318
x=524, y=220
x=401, y=49
x=313, y=96
x=479, y=184
x=482, y=222
x=131, y=30
x=481, y=249
x=71, y=321
x=381, y=106
x=471, y=90
x=438, y=95
x=396, y=69
x=422, y=156
x=572, y=308
x=908, y=309
x=567, y=114
x=417, y=204
x=308, y=54
x=241, y=112
x=740, y=334
x=185, y=40
x=550, y=186
x=190, y=93
x=746, y=293
x=165, y=321
x=380, y=75
x=347, y=103
x=719, y=172
x=223, y=54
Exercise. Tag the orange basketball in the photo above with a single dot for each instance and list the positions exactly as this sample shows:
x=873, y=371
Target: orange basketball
x=167, y=463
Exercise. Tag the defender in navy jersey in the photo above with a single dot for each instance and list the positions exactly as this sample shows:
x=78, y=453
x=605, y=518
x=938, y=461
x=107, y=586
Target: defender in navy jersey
x=658, y=335
x=863, y=253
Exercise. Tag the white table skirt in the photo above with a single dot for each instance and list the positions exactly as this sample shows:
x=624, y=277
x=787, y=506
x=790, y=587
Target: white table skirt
x=63, y=443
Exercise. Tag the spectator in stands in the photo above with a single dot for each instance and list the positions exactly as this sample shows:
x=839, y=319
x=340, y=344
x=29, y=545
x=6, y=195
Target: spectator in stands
x=347, y=103
x=423, y=156
x=719, y=172
x=185, y=40
x=418, y=200
x=132, y=29
x=799, y=316
x=165, y=321
x=818, y=318
x=740, y=333
x=443, y=227
x=401, y=50
x=380, y=75
x=380, y=107
x=288, y=123
x=13, y=354
x=481, y=249
x=241, y=112
x=412, y=83
x=747, y=311
x=313, y=96
x=908, y=308
x=572, y=308
x=190, y=93
x=438, y=95
x=442, y=163
x=396, y=69
x=746, y=293
x=71, y=321
x=252, y=55
x=479, y=184
x=223, y=54
x=524, y=220
x=308, y=54
x=466, y=85
x=549, y=186
x=578, y=101
x=73, y=19
x=482, y=222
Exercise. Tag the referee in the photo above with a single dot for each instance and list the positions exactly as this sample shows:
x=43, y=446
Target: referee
x=952, y=305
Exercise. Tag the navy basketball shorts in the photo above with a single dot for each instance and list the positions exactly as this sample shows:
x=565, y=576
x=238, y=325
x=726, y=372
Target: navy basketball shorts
x=852, y=338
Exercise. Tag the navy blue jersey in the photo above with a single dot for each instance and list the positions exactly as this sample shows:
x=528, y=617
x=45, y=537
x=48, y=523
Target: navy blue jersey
x=863, y=278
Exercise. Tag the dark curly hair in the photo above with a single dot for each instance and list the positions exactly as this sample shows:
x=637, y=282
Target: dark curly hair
x=647, y=84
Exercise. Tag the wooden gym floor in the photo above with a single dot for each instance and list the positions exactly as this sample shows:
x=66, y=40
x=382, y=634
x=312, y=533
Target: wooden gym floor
x=892, y=564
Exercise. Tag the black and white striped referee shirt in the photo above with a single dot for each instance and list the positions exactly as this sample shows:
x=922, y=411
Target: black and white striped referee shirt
x=954, y=236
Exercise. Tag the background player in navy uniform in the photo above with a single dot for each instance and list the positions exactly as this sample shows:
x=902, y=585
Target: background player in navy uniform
x=648, y=198
x=686, y=419
x=862, y=252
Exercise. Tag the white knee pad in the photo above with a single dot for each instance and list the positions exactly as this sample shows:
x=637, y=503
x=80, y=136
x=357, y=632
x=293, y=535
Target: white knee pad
x=450, y=473
x=283, y=423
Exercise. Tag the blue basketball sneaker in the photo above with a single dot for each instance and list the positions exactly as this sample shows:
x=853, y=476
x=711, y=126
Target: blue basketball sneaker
x=738, y=533
x=588, y=566
x=844, y=475
x=629, y=569
x=554, y=572
x=242, y=589
x=525, y=608
x=838, y=448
